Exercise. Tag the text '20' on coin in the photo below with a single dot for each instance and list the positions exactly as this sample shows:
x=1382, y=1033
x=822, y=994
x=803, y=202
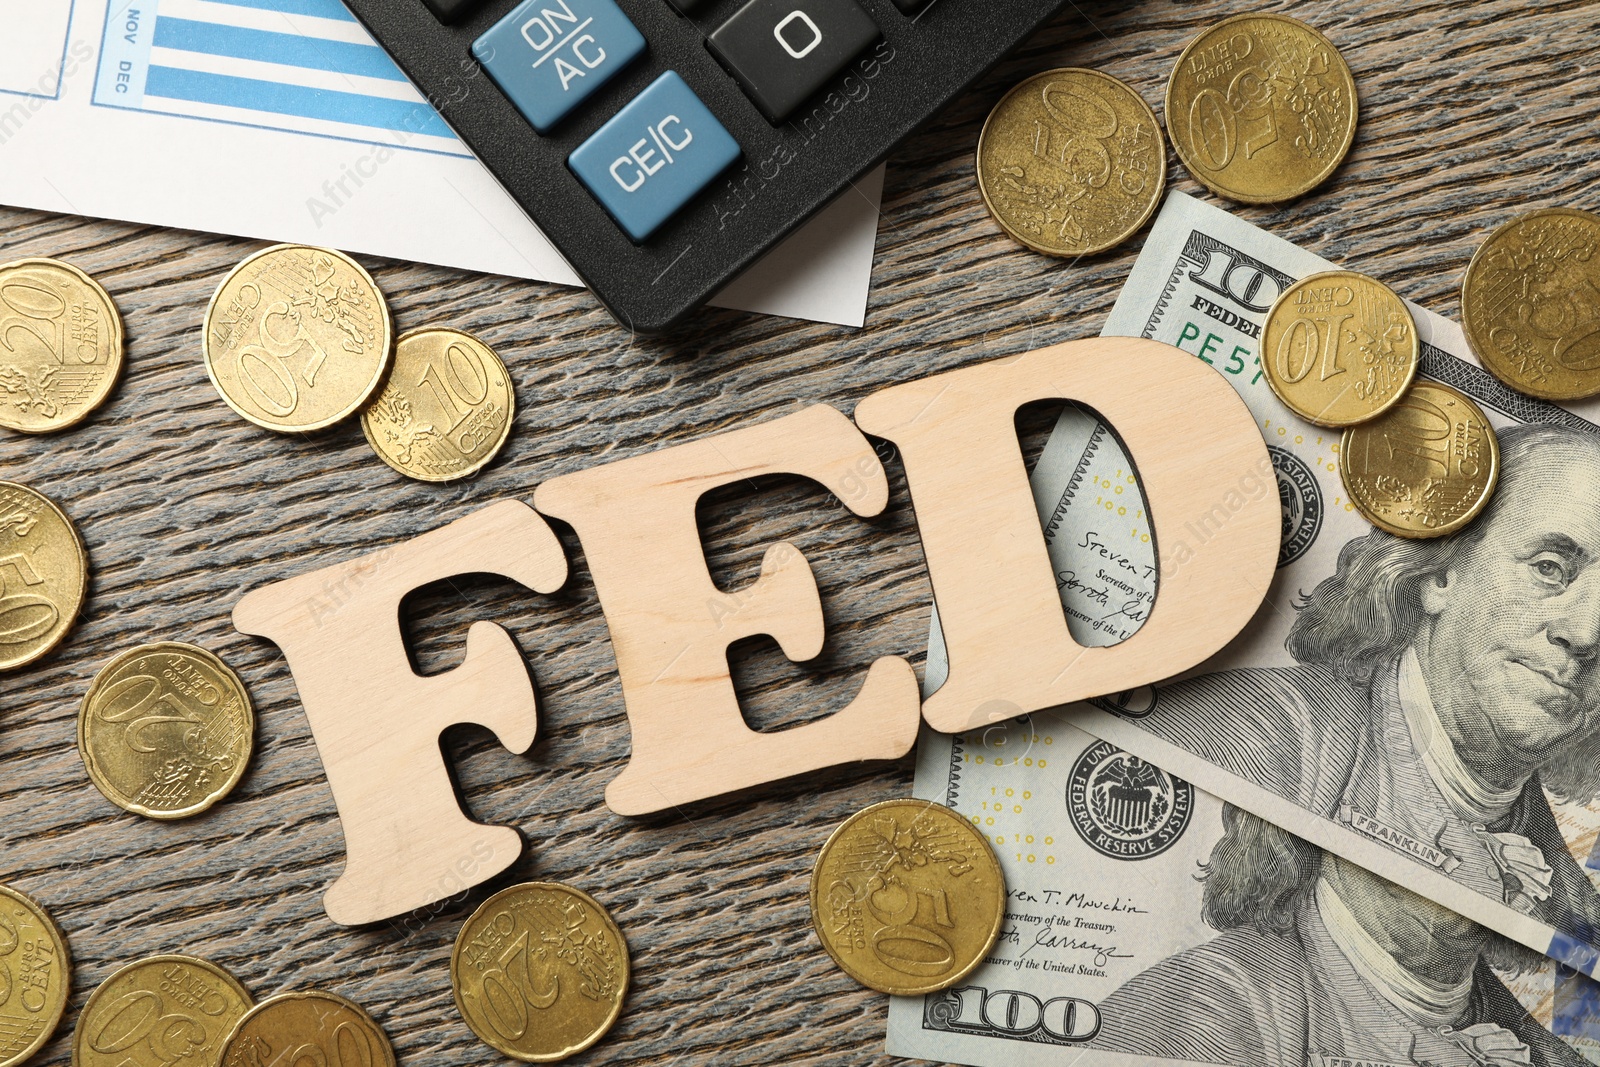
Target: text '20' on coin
x=446, y=409
x=540, y=971
x=1070, y=162
x=44, y=575
x=1261, y=108
x=302, y=1029
x=1530, y=303
x=159, y=1010
x=1339, y=348
x=35, y=976
x=1426, y=467
x=60, y=345
x=907, y=897
x=297, y=338
x=166, y=730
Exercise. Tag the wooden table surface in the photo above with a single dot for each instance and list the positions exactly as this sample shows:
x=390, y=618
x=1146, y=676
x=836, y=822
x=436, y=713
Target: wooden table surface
x=1471, y=110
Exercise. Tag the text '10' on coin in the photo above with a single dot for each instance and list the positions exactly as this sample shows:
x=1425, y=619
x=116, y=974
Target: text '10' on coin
x=166, y=730
x=1261, y=108
x=540, y=971
x=35, y=976
x=446, y=409
x=907, y=897
x=305, y=1029
x=1426, y=467
x=1339, y=348
x=297, y=338
x=44, y=575
x=1070, y=162
x=61, y=349
x=1530, y=304
x=160, y=1010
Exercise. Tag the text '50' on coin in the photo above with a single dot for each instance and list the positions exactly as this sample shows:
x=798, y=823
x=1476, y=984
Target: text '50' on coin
x=159, y=1010
x=1261, y=108
x=446, y=409
x=907, y=897
x=1070, y=162
x=1530, y=303
x=166, y=730
x=297, y=338
x=1426, y=467
x=44, y=575
x=1339, y=348
x=60, y=345
x=540, y=971
x=35, y=976
x=302, y=1029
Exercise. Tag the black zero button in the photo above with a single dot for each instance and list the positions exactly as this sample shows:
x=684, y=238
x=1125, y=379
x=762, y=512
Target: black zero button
x=448, y=11
x=783, y=51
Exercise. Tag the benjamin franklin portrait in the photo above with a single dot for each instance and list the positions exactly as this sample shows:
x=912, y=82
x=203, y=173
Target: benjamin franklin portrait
x=1444, y=689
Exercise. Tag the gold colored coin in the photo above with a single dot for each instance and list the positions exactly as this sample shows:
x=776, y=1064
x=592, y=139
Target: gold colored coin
x=297, y=338
x=1070, y=162
x=166, y=730
x=1530, y=303
x=44, y=575
x=907, y=897
x=1261, y=108
x=60, y=345
x=301, y=1029
x=160, y=1010
x=35, y=976
x=1339, y=348
x=446, y=410
x=539, y=971
x=1426, y=467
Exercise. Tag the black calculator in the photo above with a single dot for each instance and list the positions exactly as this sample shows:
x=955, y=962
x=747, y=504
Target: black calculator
x=664, y=145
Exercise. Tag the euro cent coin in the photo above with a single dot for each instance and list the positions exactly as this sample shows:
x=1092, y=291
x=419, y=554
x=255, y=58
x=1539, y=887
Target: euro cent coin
x=162, y=1009
x=539, y=971
x=44, y=575
x=907, y=897
x=1426, y=467
x=35, y=976
x=60, y=345
x=1261, y=108
x=297, y=338
x=1071, y=162
x=1530, y=303
x=446, y=410
x=1339, y=348
x=166, y=730
x=300, y=1029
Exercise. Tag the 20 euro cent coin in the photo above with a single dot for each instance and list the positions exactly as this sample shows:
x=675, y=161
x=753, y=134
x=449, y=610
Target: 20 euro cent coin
x=159, y=1010
x=44, y=575
x=60, y=345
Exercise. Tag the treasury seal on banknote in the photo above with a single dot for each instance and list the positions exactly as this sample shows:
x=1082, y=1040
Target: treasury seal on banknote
x=1301, y=498
x=1126, y=808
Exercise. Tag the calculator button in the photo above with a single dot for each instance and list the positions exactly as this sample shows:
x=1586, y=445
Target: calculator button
x=654, y=156
x=448, y=11
x=910, y=7
x=686, y=6
x=782, y=51
x=549, y=55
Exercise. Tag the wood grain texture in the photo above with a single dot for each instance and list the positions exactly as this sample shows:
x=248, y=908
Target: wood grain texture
x=1470, y=113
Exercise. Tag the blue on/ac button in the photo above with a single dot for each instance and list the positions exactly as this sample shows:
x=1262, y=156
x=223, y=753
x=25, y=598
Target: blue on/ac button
x=549, y=55
x=654, y=156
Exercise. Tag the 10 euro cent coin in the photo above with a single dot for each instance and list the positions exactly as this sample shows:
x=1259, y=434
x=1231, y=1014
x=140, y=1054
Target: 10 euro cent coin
x=297, y=338
x=60, y=345
x=540, y=971
x=907, y=897
x=1071, y=162
x=446, y=409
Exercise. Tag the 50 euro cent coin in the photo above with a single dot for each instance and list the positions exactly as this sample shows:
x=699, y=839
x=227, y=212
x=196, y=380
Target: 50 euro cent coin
x=1071, y=162
x=304, y=1029
x=446, y=410
x=907, y=897
x=297, y=338
x=35, y=976
x=159, y=1010
x=61, y=352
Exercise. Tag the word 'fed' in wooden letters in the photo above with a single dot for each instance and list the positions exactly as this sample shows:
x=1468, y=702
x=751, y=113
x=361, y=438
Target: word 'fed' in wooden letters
x=377, y=723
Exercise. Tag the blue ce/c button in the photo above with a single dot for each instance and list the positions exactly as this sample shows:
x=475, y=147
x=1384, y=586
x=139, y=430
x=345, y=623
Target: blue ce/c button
x=549, y=55
x=654, y=156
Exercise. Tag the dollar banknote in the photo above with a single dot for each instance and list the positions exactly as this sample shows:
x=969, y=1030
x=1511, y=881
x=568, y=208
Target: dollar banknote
x=1423, y=710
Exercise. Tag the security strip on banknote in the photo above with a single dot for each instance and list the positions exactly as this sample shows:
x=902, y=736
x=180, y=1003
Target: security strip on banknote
x=1423, y=710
